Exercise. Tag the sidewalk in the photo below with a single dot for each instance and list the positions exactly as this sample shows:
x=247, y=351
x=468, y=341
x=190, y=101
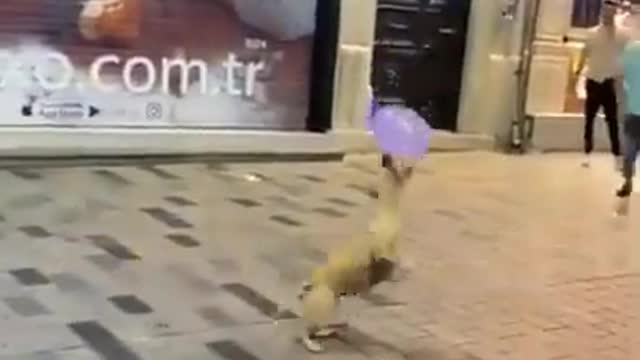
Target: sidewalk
x=512, y=258
x=29, y=142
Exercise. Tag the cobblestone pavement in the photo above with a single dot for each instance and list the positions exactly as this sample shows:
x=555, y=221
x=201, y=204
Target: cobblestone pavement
x=510, y=257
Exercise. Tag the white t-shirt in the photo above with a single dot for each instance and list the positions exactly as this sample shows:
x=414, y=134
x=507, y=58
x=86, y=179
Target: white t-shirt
x=604, y=49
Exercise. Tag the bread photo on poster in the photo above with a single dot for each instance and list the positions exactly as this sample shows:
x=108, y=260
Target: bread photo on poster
x=111, y=20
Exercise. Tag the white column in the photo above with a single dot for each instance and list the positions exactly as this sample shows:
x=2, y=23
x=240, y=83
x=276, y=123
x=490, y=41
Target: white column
x=351, y=95
x=353, y=65
x=491, y=58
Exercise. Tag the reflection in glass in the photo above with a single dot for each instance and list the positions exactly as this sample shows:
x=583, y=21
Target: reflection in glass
x=586, y=13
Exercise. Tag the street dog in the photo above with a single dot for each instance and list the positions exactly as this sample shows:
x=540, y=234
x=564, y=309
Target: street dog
x=359, y=265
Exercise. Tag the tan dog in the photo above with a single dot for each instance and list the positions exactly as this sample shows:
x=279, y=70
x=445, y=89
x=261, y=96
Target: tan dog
x=359, y=265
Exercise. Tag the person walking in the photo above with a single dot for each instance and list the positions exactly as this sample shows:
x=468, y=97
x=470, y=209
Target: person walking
x=601, y=54
x=631, y=72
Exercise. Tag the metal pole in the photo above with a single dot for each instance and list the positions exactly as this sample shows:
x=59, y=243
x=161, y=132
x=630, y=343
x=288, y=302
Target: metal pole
x=523, y=122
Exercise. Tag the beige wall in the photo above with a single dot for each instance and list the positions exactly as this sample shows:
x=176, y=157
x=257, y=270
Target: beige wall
x=555, y=18
x=487, y=103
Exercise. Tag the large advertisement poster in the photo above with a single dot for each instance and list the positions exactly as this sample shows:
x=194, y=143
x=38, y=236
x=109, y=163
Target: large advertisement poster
x=166, y=63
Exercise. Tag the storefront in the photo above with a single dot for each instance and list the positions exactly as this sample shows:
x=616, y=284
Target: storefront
x=134, y=68
x=137, y=77
x=556, y=93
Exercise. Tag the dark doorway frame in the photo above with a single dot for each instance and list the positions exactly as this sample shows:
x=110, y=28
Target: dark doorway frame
x=323, y=65
x=418, y=57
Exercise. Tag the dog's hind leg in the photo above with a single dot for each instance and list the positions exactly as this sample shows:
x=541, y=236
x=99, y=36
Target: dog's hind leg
x=318, y=310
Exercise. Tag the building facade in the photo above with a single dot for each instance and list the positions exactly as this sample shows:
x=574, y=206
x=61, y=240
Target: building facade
x=154, y=76
x=486, y=104
x=94, y=77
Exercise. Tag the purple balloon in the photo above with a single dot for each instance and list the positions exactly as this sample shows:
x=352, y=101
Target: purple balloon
x=401, y=132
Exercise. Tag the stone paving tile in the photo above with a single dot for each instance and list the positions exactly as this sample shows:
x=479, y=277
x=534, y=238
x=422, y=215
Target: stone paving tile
x=183, y=240
x=112, y=176
x=179, y=201
x=26, y=306
x=191, y=279
x=276, y=341
x=167, y=217
x=178, y=347
x=30, y=277
x=67, y=354
x=70, y=282
x=245, y=202
x=26, y=174
x=508, y=258
x=130, y=304
x=27, y=202
x=21, y=337
x=159, y=171
x=217, y=316
x=103, y=341
x=35, y=231
x=105, y=262
x=113, y=247
x=286, y=220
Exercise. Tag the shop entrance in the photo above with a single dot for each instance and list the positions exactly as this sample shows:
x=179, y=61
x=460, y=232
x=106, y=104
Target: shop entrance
x=419, y=56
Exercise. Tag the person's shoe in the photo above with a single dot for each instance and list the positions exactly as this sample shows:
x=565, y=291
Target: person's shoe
x=622, y=206
x=624, y=197
x=618, y=163
x=586, y=163
x=625, y=190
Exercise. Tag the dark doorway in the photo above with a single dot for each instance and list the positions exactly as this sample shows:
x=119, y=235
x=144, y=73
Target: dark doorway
x=419, y=56
x=323, y=67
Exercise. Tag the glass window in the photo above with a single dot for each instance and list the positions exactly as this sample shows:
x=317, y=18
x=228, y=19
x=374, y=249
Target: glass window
x=586, y=13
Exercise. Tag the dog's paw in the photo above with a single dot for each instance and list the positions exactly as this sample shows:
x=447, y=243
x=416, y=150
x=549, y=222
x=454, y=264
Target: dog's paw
x=328, y=331
x=312, y=345
x=324, y=333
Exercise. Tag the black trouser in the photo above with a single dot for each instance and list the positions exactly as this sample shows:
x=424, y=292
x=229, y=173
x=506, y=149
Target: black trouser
x=601, y=94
